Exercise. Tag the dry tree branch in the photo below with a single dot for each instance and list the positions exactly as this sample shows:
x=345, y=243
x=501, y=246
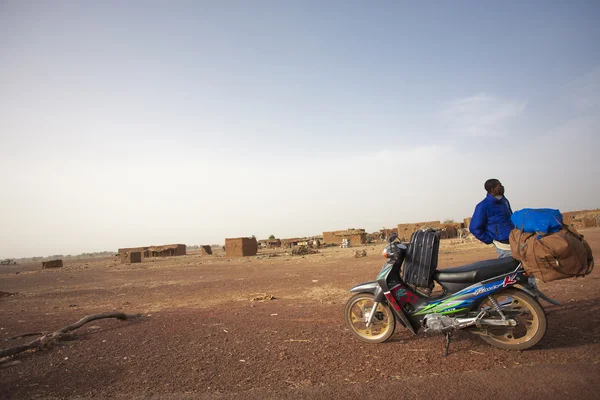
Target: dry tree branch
x=49, y=339
x=24, y=335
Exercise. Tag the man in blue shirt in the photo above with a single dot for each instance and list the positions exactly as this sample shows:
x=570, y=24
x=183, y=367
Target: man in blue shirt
x=491, y=220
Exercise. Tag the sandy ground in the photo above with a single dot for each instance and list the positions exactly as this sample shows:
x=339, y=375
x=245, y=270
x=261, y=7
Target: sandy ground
x=203, y=337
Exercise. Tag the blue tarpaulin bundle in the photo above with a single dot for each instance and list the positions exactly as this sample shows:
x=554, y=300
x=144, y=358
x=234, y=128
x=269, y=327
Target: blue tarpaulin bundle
x=538, y=220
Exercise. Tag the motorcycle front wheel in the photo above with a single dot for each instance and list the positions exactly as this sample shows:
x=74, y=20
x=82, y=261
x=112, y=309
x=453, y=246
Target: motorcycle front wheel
x=520, y=306
x=357, y=312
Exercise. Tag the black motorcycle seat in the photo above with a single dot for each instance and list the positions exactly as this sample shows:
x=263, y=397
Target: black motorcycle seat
x=477, y=271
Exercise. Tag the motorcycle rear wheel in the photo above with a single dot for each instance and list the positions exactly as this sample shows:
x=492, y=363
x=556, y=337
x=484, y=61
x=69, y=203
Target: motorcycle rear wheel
x=356, y=313
x=527, y=311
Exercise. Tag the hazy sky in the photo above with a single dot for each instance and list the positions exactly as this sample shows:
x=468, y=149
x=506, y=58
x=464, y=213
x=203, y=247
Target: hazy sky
x=129, y=123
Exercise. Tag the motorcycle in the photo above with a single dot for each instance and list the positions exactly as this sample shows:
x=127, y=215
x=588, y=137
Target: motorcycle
x=493, y=299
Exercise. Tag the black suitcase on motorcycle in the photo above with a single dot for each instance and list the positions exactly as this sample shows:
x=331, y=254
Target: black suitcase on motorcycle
x=421, y=258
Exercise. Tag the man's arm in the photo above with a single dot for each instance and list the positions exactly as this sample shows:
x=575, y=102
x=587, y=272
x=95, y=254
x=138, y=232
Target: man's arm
x=479, y=223
x=509, y=207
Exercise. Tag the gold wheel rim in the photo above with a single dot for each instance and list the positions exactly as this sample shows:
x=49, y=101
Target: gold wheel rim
x=528, y=322
x=359, y=312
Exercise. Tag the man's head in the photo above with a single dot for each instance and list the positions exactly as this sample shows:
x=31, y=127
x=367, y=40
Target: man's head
x=494, y=187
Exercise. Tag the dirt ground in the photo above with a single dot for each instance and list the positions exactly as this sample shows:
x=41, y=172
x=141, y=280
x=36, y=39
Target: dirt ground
x=202, y=336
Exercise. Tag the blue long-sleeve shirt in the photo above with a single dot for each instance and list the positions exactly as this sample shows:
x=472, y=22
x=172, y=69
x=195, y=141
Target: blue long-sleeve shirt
x=491, y=220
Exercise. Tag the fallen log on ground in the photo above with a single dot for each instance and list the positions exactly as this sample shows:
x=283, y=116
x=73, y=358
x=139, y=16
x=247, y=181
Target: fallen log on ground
x=47, y=340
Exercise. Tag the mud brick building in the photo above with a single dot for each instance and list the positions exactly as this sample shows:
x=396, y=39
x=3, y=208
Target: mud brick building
x=386, y=233
x=270, y=243
x=52, y=264
x=582, y=219
x=206, y=250
x=356, y=236
x=241, y=247
x=126, y=250
x=452, y=229
x=289, y=243
x=168, y=250
x=449, y=231
x=405, y=231
x=467, y=222
x=130, y=257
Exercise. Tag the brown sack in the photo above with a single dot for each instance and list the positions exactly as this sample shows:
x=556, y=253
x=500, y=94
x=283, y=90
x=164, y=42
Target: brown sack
x=560, y=255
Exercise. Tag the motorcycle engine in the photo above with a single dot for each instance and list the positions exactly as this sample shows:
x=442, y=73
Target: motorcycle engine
x=437, y=323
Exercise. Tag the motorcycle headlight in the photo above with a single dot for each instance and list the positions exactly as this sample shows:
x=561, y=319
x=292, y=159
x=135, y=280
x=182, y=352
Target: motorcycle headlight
x=386, y=253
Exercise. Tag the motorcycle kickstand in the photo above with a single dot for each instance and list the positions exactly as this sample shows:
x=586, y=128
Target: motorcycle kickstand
x=448, y=337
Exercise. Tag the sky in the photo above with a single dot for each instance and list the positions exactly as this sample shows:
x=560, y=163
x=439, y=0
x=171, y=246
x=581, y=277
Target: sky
x=136, y=123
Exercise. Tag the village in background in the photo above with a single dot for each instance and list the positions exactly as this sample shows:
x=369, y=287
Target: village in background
x=250, y=246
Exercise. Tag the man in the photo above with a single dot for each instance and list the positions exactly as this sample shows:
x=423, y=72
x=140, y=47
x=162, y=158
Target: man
x=491, y=220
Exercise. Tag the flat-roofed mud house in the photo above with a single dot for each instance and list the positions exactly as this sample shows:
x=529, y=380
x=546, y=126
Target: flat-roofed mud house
x=582, y=219
x=356, y=236
x=130, y=257
x=167, y=250
x=241, y=247
x=386, y=233
x=467, y=222
x=269, y=243
x=289, y=243
x=405, y=231
x=206, y=250
x=52, y=264
x=124, y=254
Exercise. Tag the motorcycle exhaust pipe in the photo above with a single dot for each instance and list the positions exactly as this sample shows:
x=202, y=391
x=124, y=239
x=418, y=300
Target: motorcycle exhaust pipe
x=479, y=320
x=466, y=322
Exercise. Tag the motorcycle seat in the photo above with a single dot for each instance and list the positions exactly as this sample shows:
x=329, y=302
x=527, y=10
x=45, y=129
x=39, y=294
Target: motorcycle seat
x=477, y=271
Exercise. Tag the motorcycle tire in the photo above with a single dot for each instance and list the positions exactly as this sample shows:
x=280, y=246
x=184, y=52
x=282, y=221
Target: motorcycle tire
x=356, y=313
x=526, y=310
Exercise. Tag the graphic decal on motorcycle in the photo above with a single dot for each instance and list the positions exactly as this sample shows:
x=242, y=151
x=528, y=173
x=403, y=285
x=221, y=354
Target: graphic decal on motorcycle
x=391, y=301
x=510, y=280
x=399, y=294
x=465, y=298
x=453, y=310
x=485, y=289
x=403, y=296
x=444, y=307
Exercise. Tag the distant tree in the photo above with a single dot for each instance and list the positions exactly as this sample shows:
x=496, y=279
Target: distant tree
x=449, y=221
x=271, y=237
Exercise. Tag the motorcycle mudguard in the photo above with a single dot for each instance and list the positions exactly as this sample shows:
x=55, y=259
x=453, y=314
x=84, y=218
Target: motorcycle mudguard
x=370, y=287
x=538, y=294
x=367, y=287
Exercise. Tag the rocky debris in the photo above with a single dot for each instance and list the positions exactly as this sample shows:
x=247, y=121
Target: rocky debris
x=462, y=233
x=263, y=297
x=360, y=253
x=6, y=294
x=303, y=251
x=471, y=238
x=267, y=256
